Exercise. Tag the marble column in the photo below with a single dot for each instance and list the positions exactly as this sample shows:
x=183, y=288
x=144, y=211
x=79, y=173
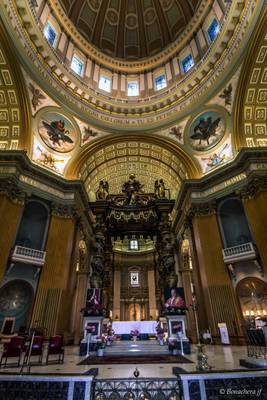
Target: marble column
x=52, y=299
x=219, y=296
x=10, y=214
x=256, y=212
x=117, y=293
x=152, y=292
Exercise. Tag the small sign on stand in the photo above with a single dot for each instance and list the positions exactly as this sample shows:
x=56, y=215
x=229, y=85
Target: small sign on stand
x=224, y=333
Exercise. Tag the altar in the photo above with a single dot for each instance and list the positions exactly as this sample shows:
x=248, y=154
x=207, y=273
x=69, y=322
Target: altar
x=125, y=327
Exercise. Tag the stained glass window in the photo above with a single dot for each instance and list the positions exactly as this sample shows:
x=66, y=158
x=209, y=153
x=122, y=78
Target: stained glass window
x=133, y=88
x=213, y=29
x=77, y=65
x=160, y=82
x=134, y=278
x=187, y=63
x=50, y=34
x=104, y=83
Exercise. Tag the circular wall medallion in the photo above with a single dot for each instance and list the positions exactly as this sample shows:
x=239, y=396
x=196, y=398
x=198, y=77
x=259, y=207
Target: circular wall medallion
x=149, y=16
x=206, y=130
x=131, y=21
x=166, y=4
x=112, y=16
x=94, y=4
x=57, y=131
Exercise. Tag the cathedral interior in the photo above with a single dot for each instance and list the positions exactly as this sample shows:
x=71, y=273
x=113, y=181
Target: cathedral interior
x=133, y=193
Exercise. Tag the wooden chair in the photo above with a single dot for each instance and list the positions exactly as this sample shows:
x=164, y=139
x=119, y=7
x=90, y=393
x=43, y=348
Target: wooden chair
x=55, y=347
x=37, y=349
x=14, y=348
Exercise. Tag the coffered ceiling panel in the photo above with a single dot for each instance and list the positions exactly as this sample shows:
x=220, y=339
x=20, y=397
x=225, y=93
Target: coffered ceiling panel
x=130, y=29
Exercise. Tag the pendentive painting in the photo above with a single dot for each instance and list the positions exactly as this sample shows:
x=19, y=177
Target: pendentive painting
x=57, y=132
x=206, y=130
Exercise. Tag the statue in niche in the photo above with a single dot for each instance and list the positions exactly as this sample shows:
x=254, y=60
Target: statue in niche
x=156, y=188
x=159, y=189
x=82, y=259
x=131, y=189
x=102, y=191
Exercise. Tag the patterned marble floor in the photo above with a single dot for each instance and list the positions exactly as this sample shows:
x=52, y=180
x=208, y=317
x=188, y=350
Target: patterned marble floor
x=220, y=358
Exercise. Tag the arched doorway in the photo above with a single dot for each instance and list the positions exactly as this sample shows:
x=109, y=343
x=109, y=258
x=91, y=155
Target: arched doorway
x=252, y=294
x=16, y=298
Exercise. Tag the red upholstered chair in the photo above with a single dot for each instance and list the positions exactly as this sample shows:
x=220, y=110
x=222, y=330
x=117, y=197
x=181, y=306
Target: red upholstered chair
x=37, y=348
x=55, y=346
x=14, y=348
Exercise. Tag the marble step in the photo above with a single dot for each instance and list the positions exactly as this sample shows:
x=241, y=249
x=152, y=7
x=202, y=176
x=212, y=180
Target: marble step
x=141, y=347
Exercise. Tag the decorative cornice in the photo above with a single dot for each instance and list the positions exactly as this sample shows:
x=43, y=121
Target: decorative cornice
x=19, y=176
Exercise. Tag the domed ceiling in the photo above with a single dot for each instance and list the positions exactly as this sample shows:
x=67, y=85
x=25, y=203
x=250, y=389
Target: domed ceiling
x=130, y=29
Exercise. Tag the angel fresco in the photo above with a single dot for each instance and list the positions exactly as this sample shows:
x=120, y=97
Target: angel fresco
x=57, y=132
x=215, y=159
x=207, y=130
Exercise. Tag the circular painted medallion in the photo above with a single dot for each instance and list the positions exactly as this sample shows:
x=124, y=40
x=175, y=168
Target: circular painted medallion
x=206, y=130
x=57, y=131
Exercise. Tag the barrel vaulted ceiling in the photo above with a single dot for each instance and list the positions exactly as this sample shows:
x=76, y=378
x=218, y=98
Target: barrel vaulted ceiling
x=130, y=29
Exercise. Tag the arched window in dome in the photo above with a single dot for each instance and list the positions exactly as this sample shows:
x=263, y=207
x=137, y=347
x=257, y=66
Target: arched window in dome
x=187, y=63
x=77, y=65
x=133, y=88
x=104, y=83
x=160, y=82
x=213, y=30
x=50, y=33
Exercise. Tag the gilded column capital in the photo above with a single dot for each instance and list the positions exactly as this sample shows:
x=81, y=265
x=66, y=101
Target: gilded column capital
x=13, y=192
x=62, y=210
x=201, y=210
x=258, y=184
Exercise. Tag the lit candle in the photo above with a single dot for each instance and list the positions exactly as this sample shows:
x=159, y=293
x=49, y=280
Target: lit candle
x=264, y=312
x=192, y=287
x=252, y=313
x=247, y=313
x=259, y=312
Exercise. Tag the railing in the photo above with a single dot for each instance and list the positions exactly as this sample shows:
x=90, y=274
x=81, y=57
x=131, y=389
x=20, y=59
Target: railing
x=28, y=255
x=257, y=343
x=16, y=386
x=241, y=252
x=135, y=389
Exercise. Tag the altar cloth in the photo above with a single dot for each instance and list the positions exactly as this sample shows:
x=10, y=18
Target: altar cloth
x=125, y=327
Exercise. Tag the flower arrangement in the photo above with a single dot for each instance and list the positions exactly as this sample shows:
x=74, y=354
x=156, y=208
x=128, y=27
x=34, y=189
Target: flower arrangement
x=135, y=332
x=100, y=342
